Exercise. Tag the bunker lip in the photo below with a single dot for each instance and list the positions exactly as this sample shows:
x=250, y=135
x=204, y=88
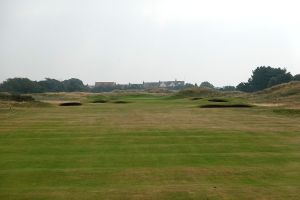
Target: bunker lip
x=226, y=106
x=70, y=104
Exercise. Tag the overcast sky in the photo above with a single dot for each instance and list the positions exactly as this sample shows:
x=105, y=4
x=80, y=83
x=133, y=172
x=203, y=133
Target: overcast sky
x=147, y=40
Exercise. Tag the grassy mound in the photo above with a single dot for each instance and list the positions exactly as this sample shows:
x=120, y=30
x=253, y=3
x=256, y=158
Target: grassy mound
x=282, y=90
x=287, y=94
x=61, y=96
x=98, y=98
x=197, y=92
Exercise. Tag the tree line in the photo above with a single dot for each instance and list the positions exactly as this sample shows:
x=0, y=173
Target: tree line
x=25, y=85
x=261, y=78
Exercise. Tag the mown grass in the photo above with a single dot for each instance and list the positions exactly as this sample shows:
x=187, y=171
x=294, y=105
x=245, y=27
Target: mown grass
x=155, y=147
x=288, y=112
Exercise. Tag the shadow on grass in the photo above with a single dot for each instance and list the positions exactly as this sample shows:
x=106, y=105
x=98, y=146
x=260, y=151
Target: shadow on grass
x=196, y=98
x=121, y=102
x=100, y=101
x=70, y=104
x=217, y=100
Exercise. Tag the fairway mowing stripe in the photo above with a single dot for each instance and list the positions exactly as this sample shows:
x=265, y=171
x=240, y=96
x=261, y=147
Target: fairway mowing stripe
x=113, y=136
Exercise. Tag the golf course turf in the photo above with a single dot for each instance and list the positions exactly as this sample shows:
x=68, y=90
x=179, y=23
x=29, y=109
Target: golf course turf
x=155, y=147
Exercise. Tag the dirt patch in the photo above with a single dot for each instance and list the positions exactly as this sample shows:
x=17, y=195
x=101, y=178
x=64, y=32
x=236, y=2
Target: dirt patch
x=70, y=104
x=217, y=100
x=226, y=106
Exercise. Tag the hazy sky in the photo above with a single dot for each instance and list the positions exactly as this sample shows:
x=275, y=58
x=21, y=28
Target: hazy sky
x=147, y=40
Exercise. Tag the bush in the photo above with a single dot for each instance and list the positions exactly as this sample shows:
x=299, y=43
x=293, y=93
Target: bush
x=15, y=97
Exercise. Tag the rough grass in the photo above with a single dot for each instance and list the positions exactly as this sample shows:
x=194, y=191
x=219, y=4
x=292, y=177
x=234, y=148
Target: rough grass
x=287, y=94
x=197, y=92
x=153, y=148
x=283, y=90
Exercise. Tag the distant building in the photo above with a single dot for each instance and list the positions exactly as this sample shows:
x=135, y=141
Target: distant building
x=146, y=85
x=171, y=84
x=130, y=86
x=163, y=84
x=149, y=85
x=105, y=84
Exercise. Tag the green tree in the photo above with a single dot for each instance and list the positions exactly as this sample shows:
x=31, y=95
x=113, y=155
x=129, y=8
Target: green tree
x=244, y=86
x=228, y=88
x=51, y=85
x=207, y=84
x=20, y=85
x=264, y=77
x=73, y=85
